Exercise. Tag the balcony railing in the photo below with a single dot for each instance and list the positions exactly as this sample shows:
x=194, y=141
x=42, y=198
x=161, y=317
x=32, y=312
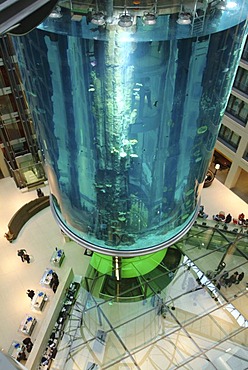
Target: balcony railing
x=241, y=86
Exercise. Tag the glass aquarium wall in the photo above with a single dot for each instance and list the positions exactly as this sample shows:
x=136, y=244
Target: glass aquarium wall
x=128, y=117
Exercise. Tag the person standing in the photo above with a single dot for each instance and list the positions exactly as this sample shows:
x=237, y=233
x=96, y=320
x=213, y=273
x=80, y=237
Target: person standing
x=240, y=277
x=39, y=193
x=228, y=218
x=54, y=283
x=26, y=258
x=21, y=253
x=30, y=293
x=28, y=344
x=232, y=279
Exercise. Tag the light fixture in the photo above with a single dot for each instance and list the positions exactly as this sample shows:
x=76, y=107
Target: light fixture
x=217, y=167
x=117, y=268
x=125, y=20
x=98, y=19
x=149, y=19
x=184, y=18
x=56, y=13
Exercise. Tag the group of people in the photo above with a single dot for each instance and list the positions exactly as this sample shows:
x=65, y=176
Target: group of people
x=227, y=281
x=22, y=253
x=221, y=217
x=241, y=220
x=54, y=283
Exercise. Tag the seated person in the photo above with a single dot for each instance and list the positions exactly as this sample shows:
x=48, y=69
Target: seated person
x=21, y=356
x=222, y=215
x=241, y=218
x=201, y=213
x=217, y=218
x=245, y=222
x=44, y=361
x=28, y=344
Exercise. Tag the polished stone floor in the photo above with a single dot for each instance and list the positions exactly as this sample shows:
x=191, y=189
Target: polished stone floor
x=203, y=327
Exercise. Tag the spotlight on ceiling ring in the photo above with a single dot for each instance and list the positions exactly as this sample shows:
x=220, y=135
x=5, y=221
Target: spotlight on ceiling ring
x=56, y=13
x=184, y=18
x=98, y=18
x=149, y=19
x=125, y=20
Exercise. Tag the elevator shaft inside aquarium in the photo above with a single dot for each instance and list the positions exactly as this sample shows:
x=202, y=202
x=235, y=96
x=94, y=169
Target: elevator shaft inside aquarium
x=127, y=120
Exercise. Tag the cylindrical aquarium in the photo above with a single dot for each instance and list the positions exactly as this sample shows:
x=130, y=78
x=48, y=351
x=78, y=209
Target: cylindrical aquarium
x=127, y=101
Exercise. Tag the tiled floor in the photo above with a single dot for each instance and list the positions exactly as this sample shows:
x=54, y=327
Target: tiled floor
x=41, y=235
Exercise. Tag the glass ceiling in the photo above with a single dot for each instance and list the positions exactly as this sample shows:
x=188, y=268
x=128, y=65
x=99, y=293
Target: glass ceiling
x=193, y=323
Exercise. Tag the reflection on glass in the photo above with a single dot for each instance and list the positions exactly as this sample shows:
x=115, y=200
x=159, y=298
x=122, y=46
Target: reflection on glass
x=229, y=352
x=216, y=327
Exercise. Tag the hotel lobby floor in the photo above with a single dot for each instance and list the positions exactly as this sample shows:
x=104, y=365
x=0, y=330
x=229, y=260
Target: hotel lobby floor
x=40, y=236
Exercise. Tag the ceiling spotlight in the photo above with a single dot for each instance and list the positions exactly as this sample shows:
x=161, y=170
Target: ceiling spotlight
x=56, y=13
x=125, y=20
x=98, y=18
x=149, y=19
x=184, y=18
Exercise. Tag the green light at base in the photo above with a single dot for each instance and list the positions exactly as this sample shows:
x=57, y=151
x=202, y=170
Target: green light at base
x=130, y=267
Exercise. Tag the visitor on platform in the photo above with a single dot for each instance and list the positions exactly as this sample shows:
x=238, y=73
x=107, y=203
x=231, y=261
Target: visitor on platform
x=240, y=277
x=228, y=218
x=241, y=219
x=22, y=253
x=39, y=193
x=30, y=293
